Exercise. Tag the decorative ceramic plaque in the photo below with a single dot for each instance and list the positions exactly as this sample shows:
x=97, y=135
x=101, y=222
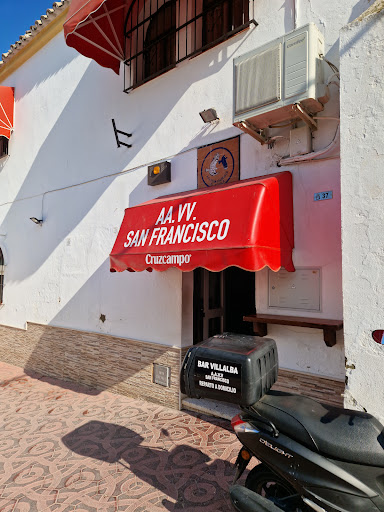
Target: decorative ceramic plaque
x=218, y=163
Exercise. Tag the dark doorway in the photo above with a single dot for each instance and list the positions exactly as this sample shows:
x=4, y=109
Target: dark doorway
x=239, y=299
x=220, y=300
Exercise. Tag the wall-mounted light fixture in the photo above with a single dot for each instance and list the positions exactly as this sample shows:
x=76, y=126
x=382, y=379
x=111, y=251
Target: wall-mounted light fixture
x=39, y=222
x=209, y=115
x=159, y=173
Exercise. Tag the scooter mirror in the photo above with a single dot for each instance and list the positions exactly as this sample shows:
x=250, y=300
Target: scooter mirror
x=378, y=336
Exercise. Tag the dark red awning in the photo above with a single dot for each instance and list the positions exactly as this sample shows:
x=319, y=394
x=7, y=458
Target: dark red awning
x=248, y=224
x=95, y=28
x=6, y=111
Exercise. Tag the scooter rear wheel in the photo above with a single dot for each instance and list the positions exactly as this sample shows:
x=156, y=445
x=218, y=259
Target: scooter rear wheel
x=272, y=487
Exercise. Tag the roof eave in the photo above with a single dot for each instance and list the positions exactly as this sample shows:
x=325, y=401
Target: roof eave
x=33, y=40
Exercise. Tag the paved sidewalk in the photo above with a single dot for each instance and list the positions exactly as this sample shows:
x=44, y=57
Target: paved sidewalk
x=66, y=448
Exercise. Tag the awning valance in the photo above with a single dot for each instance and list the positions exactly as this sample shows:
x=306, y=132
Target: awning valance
x=248, y=224
x=6, y=111
x=95, y=28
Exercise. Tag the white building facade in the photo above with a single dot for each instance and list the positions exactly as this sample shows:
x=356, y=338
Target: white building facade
x=362, y=152
x=63, y=313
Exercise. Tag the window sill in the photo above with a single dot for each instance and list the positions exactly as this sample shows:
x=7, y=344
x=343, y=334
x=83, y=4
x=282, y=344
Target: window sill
x=329, y=327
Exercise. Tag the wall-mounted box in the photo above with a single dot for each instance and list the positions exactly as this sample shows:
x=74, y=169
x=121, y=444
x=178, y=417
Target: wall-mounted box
x=300, y=141
x=161, y=375
x=295, y=290
x=159, y=173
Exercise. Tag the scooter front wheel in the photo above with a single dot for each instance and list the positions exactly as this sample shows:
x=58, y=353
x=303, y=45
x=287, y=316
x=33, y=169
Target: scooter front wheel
x=265, y=482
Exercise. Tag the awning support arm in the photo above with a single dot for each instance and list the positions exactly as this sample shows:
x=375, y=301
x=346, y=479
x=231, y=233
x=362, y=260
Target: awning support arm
x=118, y=141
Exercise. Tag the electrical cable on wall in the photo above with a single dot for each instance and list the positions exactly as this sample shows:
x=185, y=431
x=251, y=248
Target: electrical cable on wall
x=315, y=154
x=334, y=68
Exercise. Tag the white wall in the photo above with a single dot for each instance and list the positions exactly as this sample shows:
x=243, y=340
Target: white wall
x=362, y=112
x=65, y=167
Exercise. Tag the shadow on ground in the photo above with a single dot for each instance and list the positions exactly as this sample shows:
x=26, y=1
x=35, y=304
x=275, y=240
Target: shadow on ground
x=187, y=476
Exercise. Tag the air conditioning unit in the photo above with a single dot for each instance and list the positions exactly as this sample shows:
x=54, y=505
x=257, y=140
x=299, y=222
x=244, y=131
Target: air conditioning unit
x=280, y=81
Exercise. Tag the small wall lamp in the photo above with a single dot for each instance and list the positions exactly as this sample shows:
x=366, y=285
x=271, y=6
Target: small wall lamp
x=209, y=115
x=39, y=222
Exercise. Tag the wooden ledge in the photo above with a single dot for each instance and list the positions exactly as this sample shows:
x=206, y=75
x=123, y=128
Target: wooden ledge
x=329, y=327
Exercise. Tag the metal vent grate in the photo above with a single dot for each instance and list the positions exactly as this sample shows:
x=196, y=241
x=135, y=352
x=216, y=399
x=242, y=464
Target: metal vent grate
x=296, y=67
x=258, y=80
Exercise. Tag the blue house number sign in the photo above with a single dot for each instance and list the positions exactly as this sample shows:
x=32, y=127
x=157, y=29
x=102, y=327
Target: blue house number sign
x=321, y=196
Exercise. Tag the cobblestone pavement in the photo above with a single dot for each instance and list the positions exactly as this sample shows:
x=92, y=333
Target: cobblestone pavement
x=66, y=448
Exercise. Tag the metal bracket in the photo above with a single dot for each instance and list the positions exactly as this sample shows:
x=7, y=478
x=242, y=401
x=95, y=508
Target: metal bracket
x=247, y=127
x=118, y=142
x=304, y=116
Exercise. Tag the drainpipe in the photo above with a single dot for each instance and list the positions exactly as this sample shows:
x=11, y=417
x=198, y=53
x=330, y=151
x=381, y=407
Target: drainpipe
x=295, y=9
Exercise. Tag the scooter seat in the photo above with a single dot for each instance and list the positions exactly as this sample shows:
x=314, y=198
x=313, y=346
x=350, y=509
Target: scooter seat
x=342, y=434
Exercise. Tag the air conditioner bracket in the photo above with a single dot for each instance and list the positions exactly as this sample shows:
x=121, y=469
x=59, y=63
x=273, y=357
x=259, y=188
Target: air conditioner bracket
x=251, y=130
x=304, y=116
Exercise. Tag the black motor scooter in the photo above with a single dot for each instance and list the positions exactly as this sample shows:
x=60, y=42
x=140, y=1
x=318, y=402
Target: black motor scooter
x=313, y=457
x=246, y=500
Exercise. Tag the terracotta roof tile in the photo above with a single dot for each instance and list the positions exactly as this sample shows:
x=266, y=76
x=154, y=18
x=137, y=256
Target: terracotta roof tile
x=44, y=20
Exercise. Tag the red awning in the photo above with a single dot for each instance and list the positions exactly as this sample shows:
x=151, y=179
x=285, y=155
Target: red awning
x=95, y=28
x=6, y=111
x=248, y=224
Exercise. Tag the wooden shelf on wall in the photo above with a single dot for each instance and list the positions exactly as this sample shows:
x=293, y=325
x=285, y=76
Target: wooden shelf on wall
x=329, y=327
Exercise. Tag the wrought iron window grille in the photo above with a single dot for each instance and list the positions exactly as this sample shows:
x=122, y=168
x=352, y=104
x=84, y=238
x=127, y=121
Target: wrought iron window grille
x=159, y=35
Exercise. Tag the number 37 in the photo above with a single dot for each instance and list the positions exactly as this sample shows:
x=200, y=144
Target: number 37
x=320, y=196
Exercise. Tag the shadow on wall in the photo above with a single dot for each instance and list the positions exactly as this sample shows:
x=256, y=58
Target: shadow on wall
x=107, y=303
x=333, y=53
x=181, y=472
x=363, y=6
x=80, y=145
x=360, y=7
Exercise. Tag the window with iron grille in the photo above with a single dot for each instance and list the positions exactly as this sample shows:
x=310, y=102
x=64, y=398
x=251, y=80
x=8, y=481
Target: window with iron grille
x=160, y=41
x=1, y=276
x=160, y=34
x=3, y=146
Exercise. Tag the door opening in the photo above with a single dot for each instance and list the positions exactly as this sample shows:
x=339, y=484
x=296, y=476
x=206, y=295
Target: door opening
x=220, y=300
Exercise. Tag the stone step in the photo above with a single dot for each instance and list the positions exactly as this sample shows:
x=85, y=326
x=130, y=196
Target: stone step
x=211, y=407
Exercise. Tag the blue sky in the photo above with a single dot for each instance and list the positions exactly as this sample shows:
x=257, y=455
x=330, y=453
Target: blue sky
x=16, y=16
